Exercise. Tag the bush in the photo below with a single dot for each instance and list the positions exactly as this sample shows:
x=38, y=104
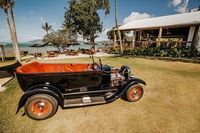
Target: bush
x=156, y=51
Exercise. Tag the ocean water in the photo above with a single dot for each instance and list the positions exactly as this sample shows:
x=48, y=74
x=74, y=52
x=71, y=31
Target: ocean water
x=26, y=47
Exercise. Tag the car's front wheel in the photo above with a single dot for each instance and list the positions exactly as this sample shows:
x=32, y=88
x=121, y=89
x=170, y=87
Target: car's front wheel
x=134, y=93
x=41, y=106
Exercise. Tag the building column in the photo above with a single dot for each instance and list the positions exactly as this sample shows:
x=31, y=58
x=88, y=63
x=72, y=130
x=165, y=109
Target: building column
x=122, y=36
x=115, y=39
x=197, y=39
x=159, y=36
x=190, y=36
x=134, y=37
x=140, y=35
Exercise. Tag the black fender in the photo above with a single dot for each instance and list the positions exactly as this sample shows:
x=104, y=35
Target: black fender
x=135, y=81
x=41, y=89
x=132, y=82
x=125, y=88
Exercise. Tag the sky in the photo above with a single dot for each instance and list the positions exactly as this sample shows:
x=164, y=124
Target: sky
x=30, y=15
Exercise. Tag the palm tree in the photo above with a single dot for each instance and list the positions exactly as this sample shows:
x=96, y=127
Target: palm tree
x=7, y=6
x=47, y=27
x=116, y=21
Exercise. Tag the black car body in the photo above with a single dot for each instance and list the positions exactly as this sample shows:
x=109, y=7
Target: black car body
x=73, y=85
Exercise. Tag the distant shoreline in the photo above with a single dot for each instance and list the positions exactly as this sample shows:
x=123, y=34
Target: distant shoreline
x=26, y=47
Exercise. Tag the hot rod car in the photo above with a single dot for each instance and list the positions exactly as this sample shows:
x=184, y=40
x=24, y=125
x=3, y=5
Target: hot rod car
x=48, y=86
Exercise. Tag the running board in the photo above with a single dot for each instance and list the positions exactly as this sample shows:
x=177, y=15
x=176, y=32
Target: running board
x=83, y=101
x=89, y=92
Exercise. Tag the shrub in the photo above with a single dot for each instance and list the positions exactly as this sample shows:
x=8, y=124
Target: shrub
x=157, y=51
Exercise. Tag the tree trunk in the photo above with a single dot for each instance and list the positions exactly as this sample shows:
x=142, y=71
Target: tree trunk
x=15, y=36
x=11, y=33
x=92, y=45
x=116, y=21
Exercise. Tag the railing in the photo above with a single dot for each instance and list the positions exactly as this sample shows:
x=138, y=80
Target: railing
x=181, y=44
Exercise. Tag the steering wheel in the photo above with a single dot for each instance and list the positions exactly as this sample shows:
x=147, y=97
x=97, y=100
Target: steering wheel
x=96, y=67
x=93, y=66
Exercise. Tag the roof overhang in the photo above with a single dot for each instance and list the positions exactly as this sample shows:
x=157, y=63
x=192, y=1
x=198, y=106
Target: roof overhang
x=170, y=21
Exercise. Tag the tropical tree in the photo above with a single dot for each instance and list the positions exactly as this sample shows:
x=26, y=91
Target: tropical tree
x=7, y=7
x=117, y=25
x=46, y=27
x=60, y=39
x=83, y=19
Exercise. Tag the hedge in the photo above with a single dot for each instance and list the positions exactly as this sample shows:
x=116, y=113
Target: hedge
x=157, y=51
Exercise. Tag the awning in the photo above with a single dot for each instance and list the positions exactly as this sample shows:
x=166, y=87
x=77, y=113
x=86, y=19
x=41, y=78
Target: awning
x=184, y=19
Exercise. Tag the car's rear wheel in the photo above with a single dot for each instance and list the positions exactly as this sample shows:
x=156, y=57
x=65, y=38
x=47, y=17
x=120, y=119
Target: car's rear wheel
x=41, y=106
x=134, y=93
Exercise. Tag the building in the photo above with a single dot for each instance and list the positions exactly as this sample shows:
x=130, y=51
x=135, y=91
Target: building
x=181, y=30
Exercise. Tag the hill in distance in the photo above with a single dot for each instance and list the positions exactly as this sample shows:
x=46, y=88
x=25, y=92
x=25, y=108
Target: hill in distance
x=37, y=41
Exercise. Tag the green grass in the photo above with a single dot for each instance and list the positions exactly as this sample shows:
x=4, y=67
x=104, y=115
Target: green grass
x=8, y=62
x=170, y=103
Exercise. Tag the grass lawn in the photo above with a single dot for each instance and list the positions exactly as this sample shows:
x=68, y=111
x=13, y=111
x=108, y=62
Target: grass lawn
x=171, y=104
x=8, y=62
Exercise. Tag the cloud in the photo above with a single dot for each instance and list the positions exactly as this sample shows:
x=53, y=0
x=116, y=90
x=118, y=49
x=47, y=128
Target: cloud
x=183, y=7
x=180, y=5
x=135, y=16
x=103, y=36
x=175, y=2
x=106, y=30
x=53, y=23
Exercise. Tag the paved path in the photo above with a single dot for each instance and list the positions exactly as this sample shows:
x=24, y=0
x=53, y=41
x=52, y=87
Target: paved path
x=63, y=56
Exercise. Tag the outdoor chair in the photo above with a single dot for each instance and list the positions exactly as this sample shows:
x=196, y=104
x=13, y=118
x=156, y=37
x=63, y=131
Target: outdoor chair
x=52, y=54
x=72, y=53
x=38, y=55
x=90, y=52
x=24, y=53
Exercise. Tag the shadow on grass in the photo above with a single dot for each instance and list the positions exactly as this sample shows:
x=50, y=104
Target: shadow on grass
x=9, y=58
x=10, y=68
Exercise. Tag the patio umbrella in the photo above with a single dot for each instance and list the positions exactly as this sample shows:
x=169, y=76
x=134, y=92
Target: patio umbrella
x=48, y=44
x=70, y=45
x=37, y=46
